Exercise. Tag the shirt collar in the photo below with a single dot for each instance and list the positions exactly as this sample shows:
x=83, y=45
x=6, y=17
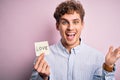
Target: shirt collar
x=75, y=48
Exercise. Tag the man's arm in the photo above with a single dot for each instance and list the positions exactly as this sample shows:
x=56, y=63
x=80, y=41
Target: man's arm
x=108, y=68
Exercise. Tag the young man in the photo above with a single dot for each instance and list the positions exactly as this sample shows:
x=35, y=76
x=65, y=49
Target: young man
x=70, y=58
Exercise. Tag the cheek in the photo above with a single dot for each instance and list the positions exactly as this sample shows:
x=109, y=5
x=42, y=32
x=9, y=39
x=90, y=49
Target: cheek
x=62, y=31
x=61, y=28
x=79, y=29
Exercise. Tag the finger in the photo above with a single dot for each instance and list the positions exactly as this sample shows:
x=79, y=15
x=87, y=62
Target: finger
x=38, y=61
x=118, y=55
x=48, y=69
x=40, y=67
x=117, y=51
x=44, y=67
x=40, y=58
x=110, y=49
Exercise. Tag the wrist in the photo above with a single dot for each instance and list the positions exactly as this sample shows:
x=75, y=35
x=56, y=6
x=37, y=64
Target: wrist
x=108, y=68
x=45, y=78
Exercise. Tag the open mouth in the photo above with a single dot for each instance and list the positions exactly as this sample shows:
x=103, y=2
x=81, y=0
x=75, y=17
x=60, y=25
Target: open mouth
x=70, y=36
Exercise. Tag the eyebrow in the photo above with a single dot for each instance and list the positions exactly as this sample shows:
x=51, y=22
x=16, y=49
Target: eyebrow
x=68, y=20
x=63, y=19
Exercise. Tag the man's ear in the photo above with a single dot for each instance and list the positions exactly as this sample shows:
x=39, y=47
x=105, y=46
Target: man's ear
x=57, y=26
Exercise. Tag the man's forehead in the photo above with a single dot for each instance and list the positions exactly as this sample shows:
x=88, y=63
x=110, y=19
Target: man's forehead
x=73, y=16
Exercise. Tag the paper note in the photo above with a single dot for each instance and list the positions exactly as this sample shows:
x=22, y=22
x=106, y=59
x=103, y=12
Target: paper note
x=41, y=47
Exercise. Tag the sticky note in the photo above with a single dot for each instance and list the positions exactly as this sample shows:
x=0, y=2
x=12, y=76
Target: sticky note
x=41, y=47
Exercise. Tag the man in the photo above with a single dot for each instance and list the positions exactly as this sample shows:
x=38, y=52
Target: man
x=71, y=58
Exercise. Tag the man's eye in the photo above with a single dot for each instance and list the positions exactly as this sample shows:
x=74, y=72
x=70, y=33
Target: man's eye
x=64, y=22
x=75, y=22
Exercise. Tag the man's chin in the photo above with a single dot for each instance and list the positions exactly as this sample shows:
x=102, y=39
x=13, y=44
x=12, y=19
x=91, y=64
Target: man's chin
x=70, y=43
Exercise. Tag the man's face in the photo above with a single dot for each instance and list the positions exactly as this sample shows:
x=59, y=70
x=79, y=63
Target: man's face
x=70, y=27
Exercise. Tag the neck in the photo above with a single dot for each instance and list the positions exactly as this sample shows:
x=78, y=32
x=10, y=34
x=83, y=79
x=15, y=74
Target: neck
x=70, y=46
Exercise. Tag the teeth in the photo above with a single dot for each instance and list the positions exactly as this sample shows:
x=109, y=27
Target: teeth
x=70, y=34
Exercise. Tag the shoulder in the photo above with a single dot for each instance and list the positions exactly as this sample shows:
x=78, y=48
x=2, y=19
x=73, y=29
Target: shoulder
x=57, y=47
x=91, y=50
x=53, y=47
x=93, y=53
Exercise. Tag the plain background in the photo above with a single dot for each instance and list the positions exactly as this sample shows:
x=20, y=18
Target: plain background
x=23, y=22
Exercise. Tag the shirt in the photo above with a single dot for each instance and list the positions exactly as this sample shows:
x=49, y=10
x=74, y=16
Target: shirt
x=83, y=63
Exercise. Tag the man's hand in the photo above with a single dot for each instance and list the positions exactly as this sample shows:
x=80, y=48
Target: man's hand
x=112, y=56
x=42, y=67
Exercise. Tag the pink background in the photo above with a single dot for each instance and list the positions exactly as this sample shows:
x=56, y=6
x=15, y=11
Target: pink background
x=23, y=22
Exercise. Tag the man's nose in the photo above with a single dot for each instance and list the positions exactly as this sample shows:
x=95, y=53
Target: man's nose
x=70, y=26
